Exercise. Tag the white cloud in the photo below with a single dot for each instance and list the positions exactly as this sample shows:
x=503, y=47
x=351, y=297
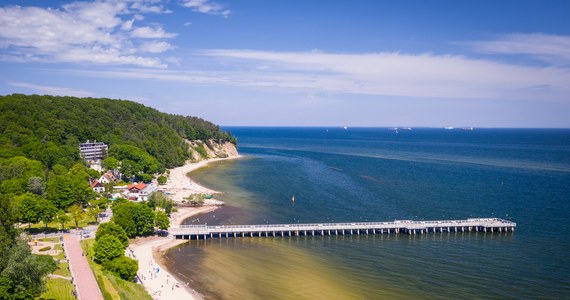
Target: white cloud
x=85, y=32
x=382, y=74
x=397, y=74
x=51, y=90
x=155, y=47
x=552, y=49
x=127, y=25
x=207, y=7
x=149, y=7
x=147, y=32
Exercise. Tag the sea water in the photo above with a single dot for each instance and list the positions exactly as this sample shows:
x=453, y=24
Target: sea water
x=375, y=174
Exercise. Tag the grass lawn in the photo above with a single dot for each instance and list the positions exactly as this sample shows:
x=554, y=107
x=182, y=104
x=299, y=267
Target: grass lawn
x=58, y=288
x=62, y=270
x=54, y=227
x=113, y=287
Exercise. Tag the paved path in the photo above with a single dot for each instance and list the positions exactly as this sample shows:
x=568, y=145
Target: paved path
x=87, y=288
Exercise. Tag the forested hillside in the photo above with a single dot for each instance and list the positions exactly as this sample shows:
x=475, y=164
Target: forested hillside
x=49, y=129
x=43, y=179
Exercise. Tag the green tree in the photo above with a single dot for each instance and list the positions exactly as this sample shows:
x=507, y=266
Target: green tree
x=135, y=218
x=124, y=267
x=62, y=218
x=157, y=199
x=102, y=203
x=36, y=185
x=77, y=214
x=111, y=163
x=130, y=168
x=93, y=212
x=113, y=229
x=60, y=191
x=24, y=272
x=8, y=232
x=161, y=220
x=93, y=173
x=196, y=199
x=58, y=169
x=146, y=178
x=168, y=207
x=162, y=179
x=80, y=186
x=47, y=211
x=108, y=248
x=29, y=208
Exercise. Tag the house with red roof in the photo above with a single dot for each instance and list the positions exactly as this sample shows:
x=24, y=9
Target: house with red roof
x=97, y=186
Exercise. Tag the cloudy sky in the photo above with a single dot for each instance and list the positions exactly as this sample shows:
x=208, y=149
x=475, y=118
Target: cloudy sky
x=300, y=63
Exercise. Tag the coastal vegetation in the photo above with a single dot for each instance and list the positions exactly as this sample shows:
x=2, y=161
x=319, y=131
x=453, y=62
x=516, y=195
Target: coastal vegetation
x=112, y=286
x=142, y=140
x=45, y=184
x=111, y=239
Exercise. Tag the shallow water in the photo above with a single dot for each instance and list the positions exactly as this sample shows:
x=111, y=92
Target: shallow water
x=376, y=175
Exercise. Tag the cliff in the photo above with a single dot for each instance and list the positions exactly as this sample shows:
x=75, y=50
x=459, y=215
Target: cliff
x=200, y=150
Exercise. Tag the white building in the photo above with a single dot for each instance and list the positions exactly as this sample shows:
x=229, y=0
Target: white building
x=93, y=151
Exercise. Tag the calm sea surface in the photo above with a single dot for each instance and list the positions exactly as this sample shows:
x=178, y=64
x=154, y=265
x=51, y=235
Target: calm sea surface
x=374, y=174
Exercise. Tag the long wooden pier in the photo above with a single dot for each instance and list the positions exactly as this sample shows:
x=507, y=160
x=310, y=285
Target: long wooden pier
x=203, y=232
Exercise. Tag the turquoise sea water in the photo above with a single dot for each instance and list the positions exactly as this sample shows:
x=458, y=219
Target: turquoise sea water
x=373, y=174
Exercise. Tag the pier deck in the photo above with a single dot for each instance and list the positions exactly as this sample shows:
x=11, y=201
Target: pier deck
x=199, y=232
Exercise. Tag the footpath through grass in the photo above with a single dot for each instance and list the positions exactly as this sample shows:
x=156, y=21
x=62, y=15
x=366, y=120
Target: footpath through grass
x=112, y=287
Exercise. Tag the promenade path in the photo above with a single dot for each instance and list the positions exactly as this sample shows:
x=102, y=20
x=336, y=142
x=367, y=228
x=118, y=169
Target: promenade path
x=87, y=288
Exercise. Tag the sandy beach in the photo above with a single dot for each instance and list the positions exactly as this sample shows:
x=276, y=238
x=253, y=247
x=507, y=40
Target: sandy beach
x=161, y=284
x=156, y=279
x=179, y=185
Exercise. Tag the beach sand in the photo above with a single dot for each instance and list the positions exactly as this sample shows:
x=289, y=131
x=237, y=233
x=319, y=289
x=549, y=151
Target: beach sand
x=148, y=251
x=179, y=185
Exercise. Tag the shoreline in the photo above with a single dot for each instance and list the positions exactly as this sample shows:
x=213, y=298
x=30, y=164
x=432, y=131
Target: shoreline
x=148, y=251
x=179, y=185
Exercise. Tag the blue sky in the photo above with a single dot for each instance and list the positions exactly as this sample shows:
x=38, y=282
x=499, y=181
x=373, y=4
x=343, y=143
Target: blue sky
x=300, y=63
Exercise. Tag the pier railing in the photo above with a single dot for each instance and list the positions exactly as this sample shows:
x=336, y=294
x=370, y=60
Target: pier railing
x=395, y=227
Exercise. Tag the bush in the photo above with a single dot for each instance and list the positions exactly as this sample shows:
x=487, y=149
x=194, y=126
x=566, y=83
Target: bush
x=46, y=248
x=108, y=248
x=123, y=266
x=162, y=179
x=201, y=150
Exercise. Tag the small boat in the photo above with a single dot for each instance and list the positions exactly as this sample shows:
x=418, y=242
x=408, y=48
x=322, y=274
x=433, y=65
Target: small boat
x=209, y=196
x=448, y=127
x=467, y=128
x=407, y=128
x=293, y=199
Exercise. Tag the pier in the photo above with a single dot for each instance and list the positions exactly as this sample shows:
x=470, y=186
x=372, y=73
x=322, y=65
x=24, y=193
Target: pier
x=203, y=232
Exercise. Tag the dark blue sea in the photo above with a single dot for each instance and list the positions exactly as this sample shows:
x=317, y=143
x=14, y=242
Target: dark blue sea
x=376, y=174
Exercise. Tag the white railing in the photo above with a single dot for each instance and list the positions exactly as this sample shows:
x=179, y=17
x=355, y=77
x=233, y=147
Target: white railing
x=398, y=224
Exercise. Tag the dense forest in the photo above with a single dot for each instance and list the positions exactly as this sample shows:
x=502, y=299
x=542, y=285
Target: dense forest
x=43, y=178
x=49, y=129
